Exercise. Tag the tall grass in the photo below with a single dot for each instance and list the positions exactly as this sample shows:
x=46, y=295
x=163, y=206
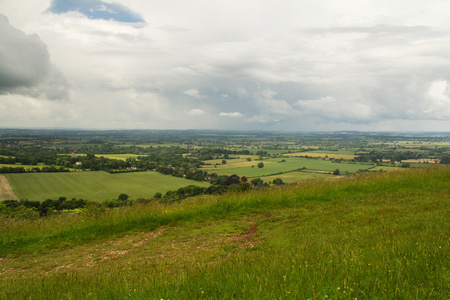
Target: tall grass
x=378, y=236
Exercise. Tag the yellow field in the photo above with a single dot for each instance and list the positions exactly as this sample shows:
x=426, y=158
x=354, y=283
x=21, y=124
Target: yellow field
x=387, y=169
x=118, y=156
x=313, y=154
x=427, y=160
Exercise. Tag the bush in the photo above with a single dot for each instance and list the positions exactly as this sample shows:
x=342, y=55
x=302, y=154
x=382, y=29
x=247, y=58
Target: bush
x=123, y=197
x=278, y=181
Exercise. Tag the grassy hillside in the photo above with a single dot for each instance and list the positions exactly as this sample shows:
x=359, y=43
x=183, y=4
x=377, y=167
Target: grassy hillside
x=376, y=236
x=97, y=186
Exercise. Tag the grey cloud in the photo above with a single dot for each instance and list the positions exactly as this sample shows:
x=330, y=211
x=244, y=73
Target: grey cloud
x=25, y=66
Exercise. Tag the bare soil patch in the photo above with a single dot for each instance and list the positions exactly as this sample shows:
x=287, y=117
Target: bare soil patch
x=6, y=191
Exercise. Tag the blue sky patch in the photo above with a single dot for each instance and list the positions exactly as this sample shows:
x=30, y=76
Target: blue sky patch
x=96, y=9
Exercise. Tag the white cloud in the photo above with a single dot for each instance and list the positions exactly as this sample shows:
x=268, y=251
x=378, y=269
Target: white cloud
x=196, y=112
x=106, y=9
x=231, y=114
x=438, y=104
x=193, y=93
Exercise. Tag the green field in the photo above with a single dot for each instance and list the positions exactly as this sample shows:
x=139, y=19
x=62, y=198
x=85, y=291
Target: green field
x=26, y=167
x=295, y=176
x=274, y=166
x=96, y=186
x=216, y=164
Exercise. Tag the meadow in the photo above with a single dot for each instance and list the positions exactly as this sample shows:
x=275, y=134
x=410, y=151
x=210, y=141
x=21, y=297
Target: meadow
x=373, y=236
x=97, y=186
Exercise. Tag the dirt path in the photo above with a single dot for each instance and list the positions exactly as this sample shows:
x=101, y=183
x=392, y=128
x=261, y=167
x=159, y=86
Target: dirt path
x=6, y=192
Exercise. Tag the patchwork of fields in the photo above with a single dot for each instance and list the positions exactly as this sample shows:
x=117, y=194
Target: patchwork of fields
x=275, y=165
x=97, y=186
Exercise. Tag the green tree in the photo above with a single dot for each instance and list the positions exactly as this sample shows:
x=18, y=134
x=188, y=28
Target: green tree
x=123, y=197
x=278, y=181
x=257, y=182
x=224, y=162
x=336, y=172
x=260, y=165
x=233, y=179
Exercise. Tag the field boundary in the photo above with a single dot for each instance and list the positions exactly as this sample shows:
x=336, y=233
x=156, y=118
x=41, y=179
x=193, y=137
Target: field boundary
x=6, y=191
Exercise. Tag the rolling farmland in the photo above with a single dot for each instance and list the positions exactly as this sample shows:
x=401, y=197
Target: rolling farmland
x=274, y=166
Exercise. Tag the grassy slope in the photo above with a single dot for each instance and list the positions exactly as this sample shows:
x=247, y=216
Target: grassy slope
x=98, y=186
x=377, y=236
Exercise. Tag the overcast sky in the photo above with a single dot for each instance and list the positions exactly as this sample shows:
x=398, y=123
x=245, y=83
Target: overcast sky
x=292, y=65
